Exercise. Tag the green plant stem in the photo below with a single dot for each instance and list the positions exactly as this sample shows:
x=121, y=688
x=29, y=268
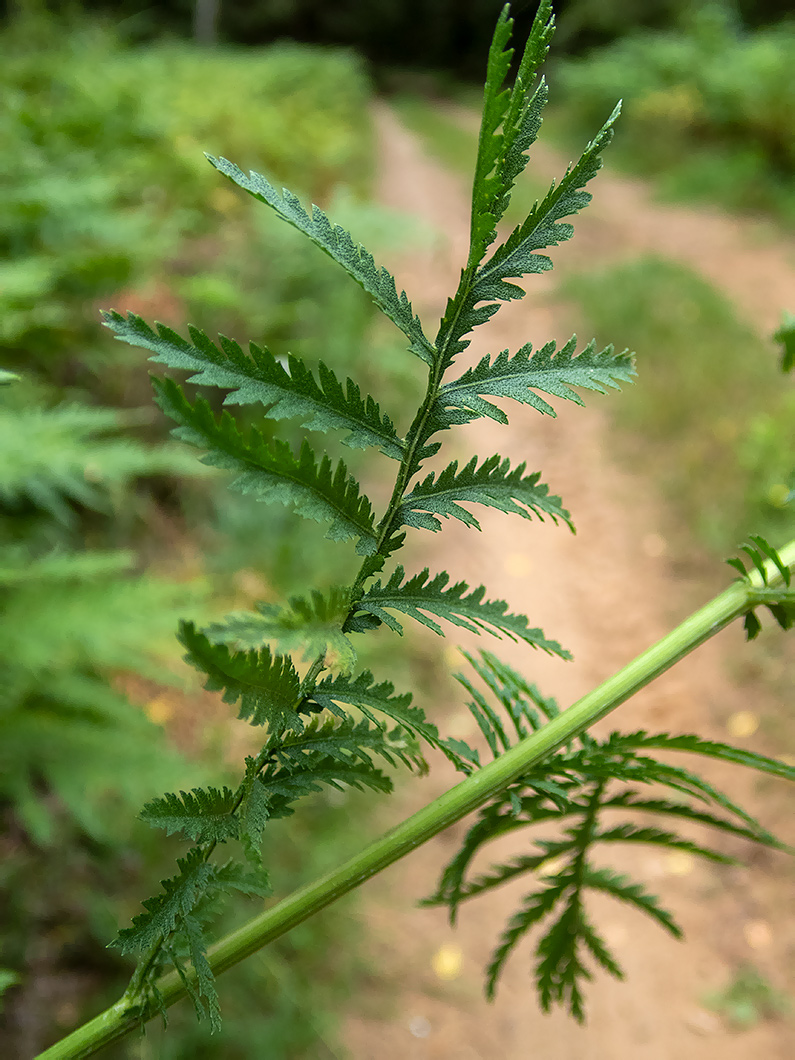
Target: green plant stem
x=121, y=1018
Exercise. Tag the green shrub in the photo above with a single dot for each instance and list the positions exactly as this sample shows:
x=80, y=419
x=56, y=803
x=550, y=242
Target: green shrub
x=691, y=343
x=67, y=731
x=707, y=108
x=105, y=186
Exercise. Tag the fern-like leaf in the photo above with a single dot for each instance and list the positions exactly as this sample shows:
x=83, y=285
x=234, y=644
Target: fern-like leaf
x=234, y=876
x=576, y=788
x=510, y=124
x=526, y=707
x=285, y=391
x=203, y=989
x=482, y=288
x=55, y=458
x=535, y=908
x=283, y=786
x=179, y=896
x=254, y=812
x=347, y=740
x=492, y=484
x=693, y=744
x=310, y=624
x=418, y=596
x=519, y=255
x=780, y=603
x=339, y=245
x=550, y=851
x=265, y=686
x=560, y=970
x=598, y=948
x=525, y=375
x=620, y=887
x=271, y=472
x=630, y=833
x=362, y=692
x=203, y=814
x=686, y=811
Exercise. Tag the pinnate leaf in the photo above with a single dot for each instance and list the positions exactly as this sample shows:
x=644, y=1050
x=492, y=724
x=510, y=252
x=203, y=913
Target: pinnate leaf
x=621, y=887
x=203, y=814
x=510, y=124
x=244, y=879
x=339, y=245
x=265, y=686
x=693, y=744
x=178, y=898
x=311, y=624
x=492, y=484
x=283, y=786
x=201, y=991
x=519, y=254
x=286, y=390
x=270, y=471
x=560, y=969
x=526, y=375
x=535, y=908
x=345, y=739
x=418, y=597
x=362, y=692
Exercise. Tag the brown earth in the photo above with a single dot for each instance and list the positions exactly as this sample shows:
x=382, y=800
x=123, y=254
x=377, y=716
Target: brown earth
x=606, y=594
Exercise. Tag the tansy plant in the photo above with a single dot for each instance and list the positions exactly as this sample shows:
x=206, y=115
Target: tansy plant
x=292, y=668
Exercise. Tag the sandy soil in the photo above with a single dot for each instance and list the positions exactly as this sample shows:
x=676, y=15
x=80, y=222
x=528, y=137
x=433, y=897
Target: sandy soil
x=606, y=594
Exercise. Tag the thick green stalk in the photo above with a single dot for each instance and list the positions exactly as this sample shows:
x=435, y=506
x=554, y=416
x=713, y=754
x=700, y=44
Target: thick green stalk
x=458, y=802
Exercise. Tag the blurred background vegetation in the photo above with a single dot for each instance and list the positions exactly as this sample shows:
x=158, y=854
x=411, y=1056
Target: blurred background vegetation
x=108, y=531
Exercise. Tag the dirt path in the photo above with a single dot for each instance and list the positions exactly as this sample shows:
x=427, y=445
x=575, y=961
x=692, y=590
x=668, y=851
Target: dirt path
x=606, y=594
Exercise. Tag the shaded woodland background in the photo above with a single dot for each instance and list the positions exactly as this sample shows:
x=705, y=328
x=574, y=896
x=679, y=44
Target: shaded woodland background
x=110, y=531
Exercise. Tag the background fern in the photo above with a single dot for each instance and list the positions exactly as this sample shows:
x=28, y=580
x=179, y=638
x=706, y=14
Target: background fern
x=76, y=756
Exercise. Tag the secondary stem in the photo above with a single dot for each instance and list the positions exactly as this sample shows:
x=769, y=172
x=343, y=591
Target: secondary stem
x=458, y=802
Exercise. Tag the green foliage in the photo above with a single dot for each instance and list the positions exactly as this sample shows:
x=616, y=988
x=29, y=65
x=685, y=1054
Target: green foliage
x=261, y=377
x=57, y=458
x=520, y=376
x=511, y=120
x=104, y=185
x=576, y=791
x=323, y=719
x=312, y=623
x=271, y=472
x=418, y=595
x=708, y=107
x=64, y=725
x=340, y=247
x=77, y=757
x=748, y=998
x=690, y=342
x=201, y=814
x=265, y=686
x=781, y=605
x=493, y=484
x=786, y=336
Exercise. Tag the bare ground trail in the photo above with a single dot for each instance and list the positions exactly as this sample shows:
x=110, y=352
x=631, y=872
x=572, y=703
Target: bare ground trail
x=606, y=594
